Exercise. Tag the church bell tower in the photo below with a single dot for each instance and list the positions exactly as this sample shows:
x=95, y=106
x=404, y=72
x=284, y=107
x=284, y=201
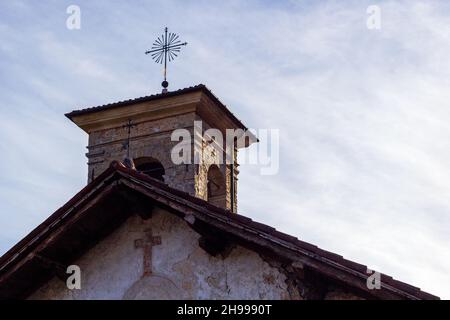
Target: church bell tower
x=152, y=131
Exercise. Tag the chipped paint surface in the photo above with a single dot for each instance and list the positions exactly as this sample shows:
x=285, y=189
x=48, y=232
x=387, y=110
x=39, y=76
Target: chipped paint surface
x=113, y=269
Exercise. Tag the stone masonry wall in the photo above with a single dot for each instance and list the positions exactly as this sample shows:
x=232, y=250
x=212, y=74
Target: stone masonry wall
x=150, y=139
x=153, y=139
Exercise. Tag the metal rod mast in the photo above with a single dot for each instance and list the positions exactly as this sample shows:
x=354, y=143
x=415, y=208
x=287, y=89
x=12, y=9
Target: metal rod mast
x=165, y=55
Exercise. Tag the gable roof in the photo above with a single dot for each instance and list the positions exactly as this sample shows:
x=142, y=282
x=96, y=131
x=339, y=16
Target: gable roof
x=82, y=222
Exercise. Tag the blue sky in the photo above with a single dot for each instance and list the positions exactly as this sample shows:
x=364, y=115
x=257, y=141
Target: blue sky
x=363, y=114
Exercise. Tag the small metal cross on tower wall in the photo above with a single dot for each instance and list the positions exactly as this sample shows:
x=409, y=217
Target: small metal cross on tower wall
x=128, y=162
x=167, y=46
x=128, y=126
x=147, y=244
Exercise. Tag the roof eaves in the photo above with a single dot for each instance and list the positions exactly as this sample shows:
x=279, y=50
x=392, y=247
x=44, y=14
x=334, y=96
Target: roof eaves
x=157, y=96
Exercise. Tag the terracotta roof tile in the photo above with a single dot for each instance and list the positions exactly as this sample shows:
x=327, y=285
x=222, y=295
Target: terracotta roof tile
x=199, y=87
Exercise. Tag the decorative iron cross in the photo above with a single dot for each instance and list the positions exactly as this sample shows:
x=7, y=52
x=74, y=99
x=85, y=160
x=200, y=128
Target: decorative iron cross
x=167, y=46
x=147, y=244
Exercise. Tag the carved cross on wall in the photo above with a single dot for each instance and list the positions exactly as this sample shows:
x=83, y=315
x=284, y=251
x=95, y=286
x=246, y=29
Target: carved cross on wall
x=147, y=244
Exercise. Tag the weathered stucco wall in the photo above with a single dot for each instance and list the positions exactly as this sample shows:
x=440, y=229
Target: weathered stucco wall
x=113, y=269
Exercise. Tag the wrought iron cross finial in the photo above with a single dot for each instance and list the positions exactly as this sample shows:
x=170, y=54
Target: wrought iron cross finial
x=167, y=46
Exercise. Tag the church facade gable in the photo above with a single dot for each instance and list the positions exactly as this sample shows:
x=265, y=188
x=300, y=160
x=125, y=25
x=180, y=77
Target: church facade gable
x=180, y=268
x=128, y=247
